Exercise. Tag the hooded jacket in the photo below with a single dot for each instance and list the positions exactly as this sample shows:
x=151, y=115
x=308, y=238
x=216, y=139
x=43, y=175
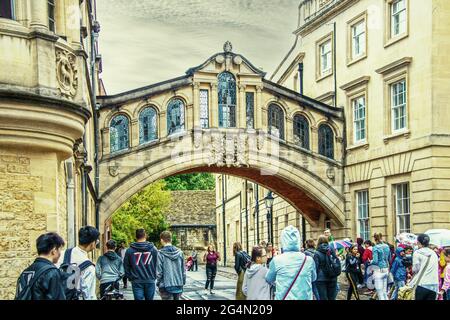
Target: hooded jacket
x=109, y=267
x=284, y=267
x=430, y=279
x=255, y=286
x=140, y=262
x=381, y=255
x=171, y=274
x=352, y=264
x=320, y=258
x=50, y=285
x=398, y=268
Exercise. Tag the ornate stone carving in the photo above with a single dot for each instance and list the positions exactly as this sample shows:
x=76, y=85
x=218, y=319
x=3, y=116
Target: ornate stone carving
x=237, y=60
x=114, y=170
x=220, y=59
x=66, y=73
x=227, y=47
x=331, y=173
x=230, y=149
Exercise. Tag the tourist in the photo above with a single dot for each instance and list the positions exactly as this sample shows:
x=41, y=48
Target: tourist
x=408, y=261
x=121, y=250
x=310, y=251
x=381, y=255
x=328, y=268
x=88, y=239
x=171, y=275
x=210, y=258
x=255, y=286
x=194, y=256
x=361, y=279
x=352, y=271
x=426, y=270
x=42, y=280
x=140, y=266
x=109, y=268
x=445, y=290
x=398, y=271
x=292, y=271
x=442, y=266
x=241, y=263
x=269, y=250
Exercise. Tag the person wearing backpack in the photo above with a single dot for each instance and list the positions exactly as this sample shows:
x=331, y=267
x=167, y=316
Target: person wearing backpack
x=255, y=286
x=109, y=268
x=328, y=268
x=292, y=271
x=140, y=264
x=84, y=282
x=241, y=262
x=42, y=280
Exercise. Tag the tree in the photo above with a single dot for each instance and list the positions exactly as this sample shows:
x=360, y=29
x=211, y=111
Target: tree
x=146, y=209
x=192, y=181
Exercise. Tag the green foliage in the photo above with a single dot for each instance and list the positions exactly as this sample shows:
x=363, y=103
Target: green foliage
x=145, y=209
x=192, y=181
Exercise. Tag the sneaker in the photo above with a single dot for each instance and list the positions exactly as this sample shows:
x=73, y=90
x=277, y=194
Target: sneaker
x=206, y=291
x=211, y=292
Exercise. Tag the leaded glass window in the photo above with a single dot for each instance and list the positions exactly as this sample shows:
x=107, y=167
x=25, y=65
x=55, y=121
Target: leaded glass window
x=175, y=116
x=119, y=133
x=204, y=109
x=250, y=109
x=7, y=9
x=227, y=100
x=276, y=121
x=326, y=141
x=301, y=131
x=147, y=125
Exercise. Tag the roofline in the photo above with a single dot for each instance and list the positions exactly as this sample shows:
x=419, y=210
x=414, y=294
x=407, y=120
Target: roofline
x=314, y=104
x=142, y=92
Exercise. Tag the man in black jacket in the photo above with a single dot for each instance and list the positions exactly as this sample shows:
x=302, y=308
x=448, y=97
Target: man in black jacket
x=140, y=266
x=42, y=280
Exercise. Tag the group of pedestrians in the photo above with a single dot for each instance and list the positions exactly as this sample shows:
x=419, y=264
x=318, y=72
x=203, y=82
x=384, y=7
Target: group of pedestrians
x=71, y=274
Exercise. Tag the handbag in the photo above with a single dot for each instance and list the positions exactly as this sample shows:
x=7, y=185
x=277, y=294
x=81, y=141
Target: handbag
x=407, y=292
x=298, y=273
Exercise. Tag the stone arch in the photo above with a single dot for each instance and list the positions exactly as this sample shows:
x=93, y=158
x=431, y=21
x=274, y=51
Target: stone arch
x=144, y=104
x=178, y=95
x=283, y=108
x=114, y=113
x=130, y=129
x=302, y=188
x=332, y=125
x=308, y=115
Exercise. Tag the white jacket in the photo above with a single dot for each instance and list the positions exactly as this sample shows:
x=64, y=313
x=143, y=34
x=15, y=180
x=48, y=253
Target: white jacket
x=431, y=275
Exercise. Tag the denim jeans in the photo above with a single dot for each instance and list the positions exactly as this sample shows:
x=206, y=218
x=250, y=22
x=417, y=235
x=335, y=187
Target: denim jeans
x=381, y=280
x=447, y=295
x=165, y=295
x=143, y=291
x=397, y=285
x=327, y=290
x=211, y=271
x=315, y=291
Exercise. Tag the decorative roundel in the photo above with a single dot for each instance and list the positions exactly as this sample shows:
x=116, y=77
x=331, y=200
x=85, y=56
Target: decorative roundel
x=220, y=59
x=237, y=60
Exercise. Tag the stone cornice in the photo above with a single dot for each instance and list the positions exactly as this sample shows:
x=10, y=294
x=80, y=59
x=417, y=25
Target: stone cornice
x=394, y=66
x=355, y=83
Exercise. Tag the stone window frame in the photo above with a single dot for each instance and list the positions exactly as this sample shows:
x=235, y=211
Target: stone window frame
x=395, y=207
x=391, y=217
x=357, y=205
x=388, y=38
x=319, y=75
x=128, y=118
x=204, y=122
x=332, y=141
x=141, y=111
x=356, y=89
x=393, y=73
x=362, y=17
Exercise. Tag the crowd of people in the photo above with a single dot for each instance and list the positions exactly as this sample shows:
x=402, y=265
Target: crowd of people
x=71, y=275
x=313, y=272
x=295, y=272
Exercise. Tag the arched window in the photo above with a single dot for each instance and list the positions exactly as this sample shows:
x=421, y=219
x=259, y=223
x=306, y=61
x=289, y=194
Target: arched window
x=118, y=132
x=227, y=100
x=175, y=116
x=7, y=9
x=147, y=125
x=301, y=131
x=276, y=121
x=326, y=141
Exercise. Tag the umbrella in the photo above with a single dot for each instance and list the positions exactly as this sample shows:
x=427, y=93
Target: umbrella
x=439, y=237
x=340, y=244
x=405, y=238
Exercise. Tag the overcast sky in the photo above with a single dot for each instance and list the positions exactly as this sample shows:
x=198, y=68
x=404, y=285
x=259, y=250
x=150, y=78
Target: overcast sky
x=147, y=41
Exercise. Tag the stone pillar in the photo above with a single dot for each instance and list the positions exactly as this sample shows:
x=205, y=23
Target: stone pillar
x=258, y=108
x=105, y=139
x=134, y=133
x=163, y=124
x=214, y=120
x=289, y=129
x=196, y=106
x=73, y=19
x=39, y=15
x=242, y=110
x=339, y=148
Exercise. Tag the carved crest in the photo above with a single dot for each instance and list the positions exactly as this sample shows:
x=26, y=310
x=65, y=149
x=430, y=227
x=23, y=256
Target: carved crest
x=227, y=47
x=114, y=171
x=66, y=73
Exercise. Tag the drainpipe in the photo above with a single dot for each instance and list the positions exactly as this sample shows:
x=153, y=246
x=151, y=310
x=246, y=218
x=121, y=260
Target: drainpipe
x=334, y=64
x=246, y=214
x=257, y=212
x=70, y=192
x=300, y=75
x=83, y=186
x=223, y=222
x=94, y=37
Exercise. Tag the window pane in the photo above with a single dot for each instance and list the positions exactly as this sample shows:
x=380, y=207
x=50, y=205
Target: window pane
x=204, y=109
x=250, y=106
x=227, y=100
x=119, y=133
x=326, y=141
x=276, y=121
x=301, y=131
x=175, y=116
x=7, y=9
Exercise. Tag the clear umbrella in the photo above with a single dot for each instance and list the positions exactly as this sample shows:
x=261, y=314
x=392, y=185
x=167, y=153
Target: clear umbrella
x=439, y=237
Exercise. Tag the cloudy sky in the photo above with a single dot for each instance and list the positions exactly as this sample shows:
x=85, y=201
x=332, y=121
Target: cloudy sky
x=147, y=41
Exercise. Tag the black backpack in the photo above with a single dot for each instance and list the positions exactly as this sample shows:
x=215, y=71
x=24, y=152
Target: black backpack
x=247, y=260
x=71, y=275
x=27, y=280
x=333, y=266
